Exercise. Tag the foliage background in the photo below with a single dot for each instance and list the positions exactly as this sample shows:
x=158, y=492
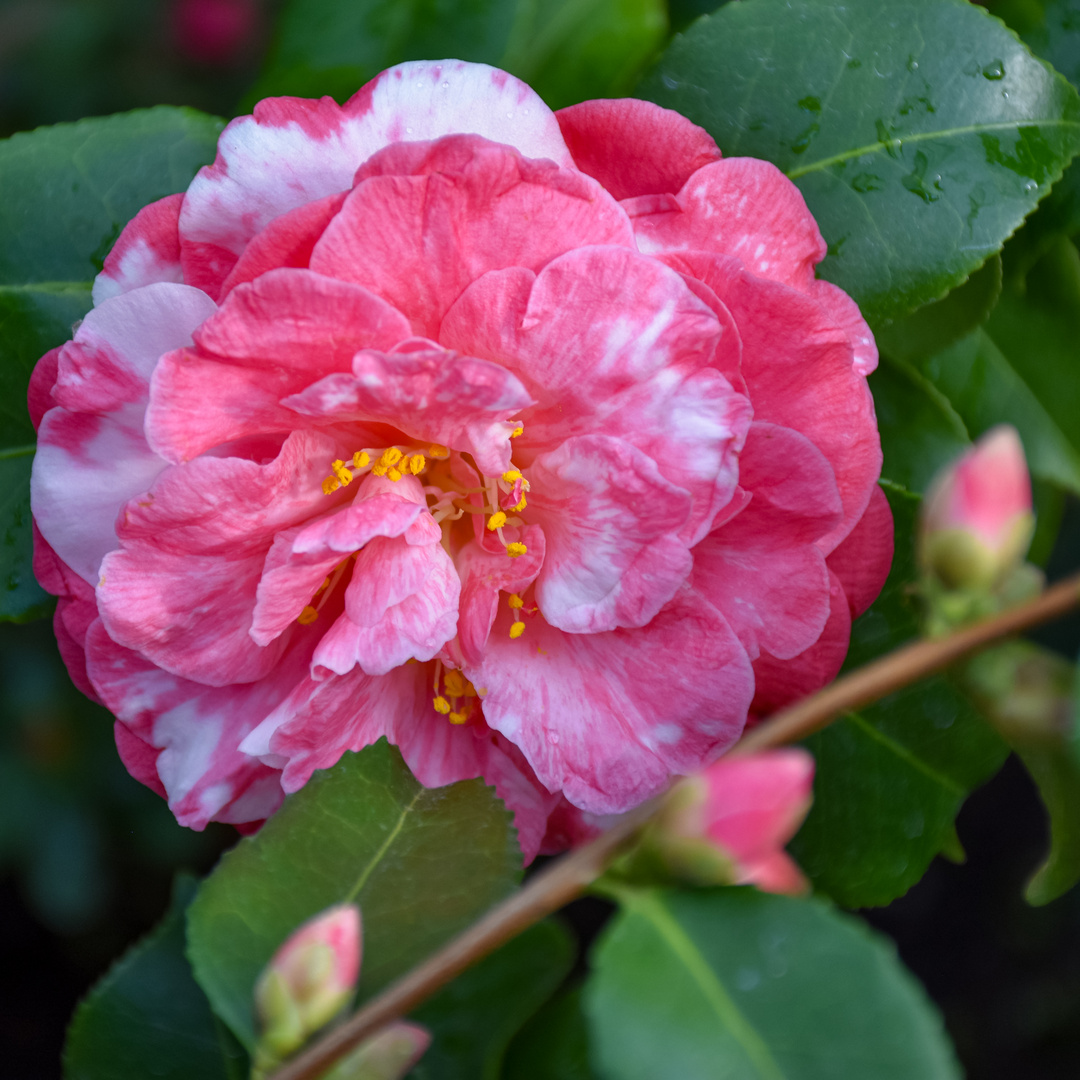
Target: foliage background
x=87, y=855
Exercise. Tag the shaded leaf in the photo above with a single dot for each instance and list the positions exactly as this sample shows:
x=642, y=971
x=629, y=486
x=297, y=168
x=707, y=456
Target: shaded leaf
x=554, y=1044
x=421, y=863
x=475, y=1017
x=148, y=1017
x=733, y=983
x=920, y=133
x=21, y=597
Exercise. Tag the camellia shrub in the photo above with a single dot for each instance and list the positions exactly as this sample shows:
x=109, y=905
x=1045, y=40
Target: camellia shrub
x=447, y=462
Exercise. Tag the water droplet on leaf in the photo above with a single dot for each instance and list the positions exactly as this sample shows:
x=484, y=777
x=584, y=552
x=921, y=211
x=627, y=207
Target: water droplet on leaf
x=994, y=70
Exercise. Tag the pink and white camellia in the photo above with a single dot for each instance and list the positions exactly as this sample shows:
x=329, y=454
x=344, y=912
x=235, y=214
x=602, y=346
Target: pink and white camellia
x=525, y=439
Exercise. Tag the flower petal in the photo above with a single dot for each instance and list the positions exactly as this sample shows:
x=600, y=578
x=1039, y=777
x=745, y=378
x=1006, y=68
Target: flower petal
x=147, y=251
x=862, y=562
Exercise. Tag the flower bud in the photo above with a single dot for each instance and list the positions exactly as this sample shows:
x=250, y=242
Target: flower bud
x=728, y=825
x=309, y=980
x=977, y=521
x=388, y=1055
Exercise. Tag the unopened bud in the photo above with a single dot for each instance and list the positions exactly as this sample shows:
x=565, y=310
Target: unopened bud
x=728, y=825
x=388, y=1055
x=309, y=980
x=977, y=521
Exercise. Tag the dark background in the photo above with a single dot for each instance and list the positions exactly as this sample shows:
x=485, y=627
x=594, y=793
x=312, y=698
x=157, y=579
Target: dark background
x=87, y=855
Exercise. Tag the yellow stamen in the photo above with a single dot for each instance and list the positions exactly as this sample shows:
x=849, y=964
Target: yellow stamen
x=441, y=705
x=330, y=485
x=438, y=452
x=390, y=456
x=457, y=718
x=361, y=460
x=520, y=506
x=393, y=474
x=517, y=431
x=417, y=464
x=341, y=472
x=454, y=682
x=517, y=629
x=378, y=470
x=516, y=550
x=511, y=475
x=307, y=616
x=516, y=602
x=496, y=521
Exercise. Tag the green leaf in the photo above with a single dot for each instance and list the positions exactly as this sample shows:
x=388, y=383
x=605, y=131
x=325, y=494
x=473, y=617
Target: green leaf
x=568, y=50
x=732, y=983
x=920, y=431
x=65, y=194
x=553, y=1045
x=1057, y=774
x=421, y=863
x=986, y=389
x=476, y=1016
x=21, y=597
x=920, y=133
x=891, y=778
x=148, y=1017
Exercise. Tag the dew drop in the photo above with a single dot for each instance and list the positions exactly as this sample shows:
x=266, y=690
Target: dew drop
x=1030, y=185
x=994, y=70
x=669, y=82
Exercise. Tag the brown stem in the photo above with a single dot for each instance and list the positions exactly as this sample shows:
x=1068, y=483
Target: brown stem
x=566, y=879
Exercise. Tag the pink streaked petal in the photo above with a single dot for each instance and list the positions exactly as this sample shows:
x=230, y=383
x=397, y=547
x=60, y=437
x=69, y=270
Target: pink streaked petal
x=484, y=574
x=197, y=729
x=863, y=560
x=610, y=520
x=52, y=573
x=39, y=399
x=606, y=718
x=846, y=314
x=763, y=568
x=400, y=605
x=433, y=395
x=287, y=241
x=139, y=758
x=86, y=468
x=780, y=682
x=741, y=207
x=473, y=206
x=71, y=621
x=147, y=251
x=798, y=366
x=109, y=362
x=635, y=147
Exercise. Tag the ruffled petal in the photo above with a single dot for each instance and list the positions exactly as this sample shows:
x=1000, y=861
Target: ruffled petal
x=863, y=560
x=635, y=147
x=606, y=718
x=147, y=251
x=468, y=206
x=846, y=314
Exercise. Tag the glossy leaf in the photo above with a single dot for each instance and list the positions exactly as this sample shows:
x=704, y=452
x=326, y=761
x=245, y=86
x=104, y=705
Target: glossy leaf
x=733, y=983
x=148, y=1017
x=421, y=863
x=65, y=194
x=473, y=1019
x=553, y=1045
x=21, y=597
x=568, y=50
x=891, y=777
x=919, y=133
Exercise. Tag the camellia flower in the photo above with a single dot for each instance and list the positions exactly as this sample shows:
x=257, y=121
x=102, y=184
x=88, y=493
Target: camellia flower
x=977, y=523
x=729, y=824
x=527, y=440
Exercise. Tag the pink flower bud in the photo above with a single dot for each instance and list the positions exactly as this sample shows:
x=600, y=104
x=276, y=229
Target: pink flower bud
x=729, y=824
x=977, y=519
x=213, y=31
x=310, y=979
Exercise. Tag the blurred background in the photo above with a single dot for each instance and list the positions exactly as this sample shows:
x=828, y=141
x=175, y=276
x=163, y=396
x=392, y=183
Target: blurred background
x=87, y=855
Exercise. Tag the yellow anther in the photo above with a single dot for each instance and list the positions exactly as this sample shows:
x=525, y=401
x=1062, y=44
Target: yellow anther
x=496, y=521
x=458, y=717
x=517, y=629
x=330, y=485
x=520, y=506
x=361, y=459
x=454, y=682
x=324, y=585
x=470, y=690
x=393, y=474
x=515, y=550
x=516, y=602
x=390, y=456
x=378, y=470
x=438, y=452
x=341, y=472
x=511, y=475
x=417, y=464
x=307, y=616
x=517, y=431
x=441, y=705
